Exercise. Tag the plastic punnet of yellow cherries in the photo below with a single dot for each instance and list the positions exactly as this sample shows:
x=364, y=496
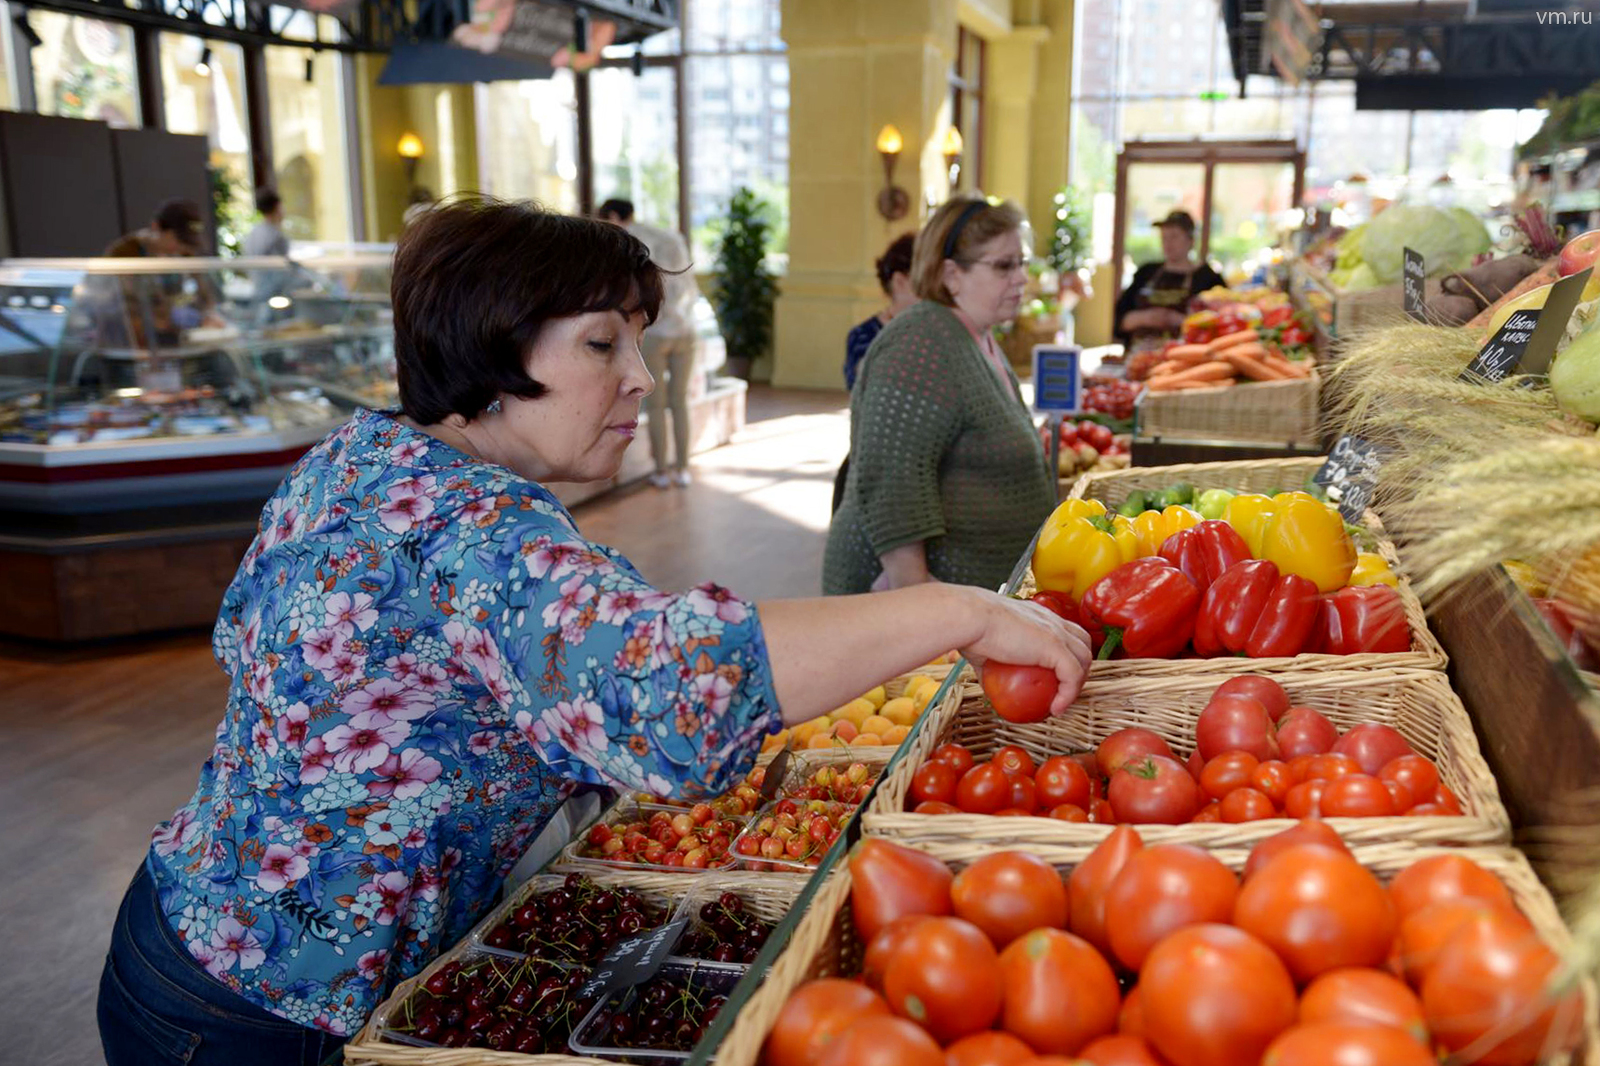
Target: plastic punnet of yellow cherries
x=871, y=719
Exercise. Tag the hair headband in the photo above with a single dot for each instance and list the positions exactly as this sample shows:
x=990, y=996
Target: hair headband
x=961, y=222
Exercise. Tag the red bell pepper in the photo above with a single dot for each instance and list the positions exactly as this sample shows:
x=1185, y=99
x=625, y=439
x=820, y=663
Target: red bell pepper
x=1059, y=603
x=1256, y=611
x=1367, y=618
x=1206, y=551
x=1147, y=608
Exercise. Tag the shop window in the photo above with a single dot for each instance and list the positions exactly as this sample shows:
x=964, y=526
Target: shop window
x=85, y=68
x=636, y=141
x=308, y=143
x=202, y=91
x=528, y=138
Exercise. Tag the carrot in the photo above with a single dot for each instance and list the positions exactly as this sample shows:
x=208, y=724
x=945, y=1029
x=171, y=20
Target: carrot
x=1301, y=369
x=1253, y=365
x=1189, y=386
x=1545, y=275
x=1221, y=344
x=1187, y=354
x=1211, y=371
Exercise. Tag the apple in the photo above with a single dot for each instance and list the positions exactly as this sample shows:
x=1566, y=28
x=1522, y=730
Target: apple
x=1578, y=253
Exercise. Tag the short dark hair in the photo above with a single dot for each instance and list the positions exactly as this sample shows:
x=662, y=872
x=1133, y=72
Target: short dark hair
x=267, y=200
x=623, y=209
x=896, y=259
x=181, y=217
x=475, y=280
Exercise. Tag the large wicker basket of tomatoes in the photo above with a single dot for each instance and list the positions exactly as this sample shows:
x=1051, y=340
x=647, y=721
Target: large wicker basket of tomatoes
x=1384, y=756
x=1301, y=952
x=1209, y=574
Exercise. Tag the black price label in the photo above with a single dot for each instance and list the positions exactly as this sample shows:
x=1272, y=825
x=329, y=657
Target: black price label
x=1414, y=279
x=775, y=771
x=1501, y=357
x=635, y=960
x=1558, y=308
x=1351, y=475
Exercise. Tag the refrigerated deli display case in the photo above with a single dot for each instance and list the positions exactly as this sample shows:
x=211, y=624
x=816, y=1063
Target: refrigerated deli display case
x=147, y=409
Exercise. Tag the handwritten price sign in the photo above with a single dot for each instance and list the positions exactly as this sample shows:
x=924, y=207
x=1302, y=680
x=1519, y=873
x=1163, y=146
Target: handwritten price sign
x=1414, y=278
x=1500, y=358
x=635, y=960
x=1351, y=475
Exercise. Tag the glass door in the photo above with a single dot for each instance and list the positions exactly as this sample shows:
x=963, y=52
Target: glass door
x=1153, y=191
x=1249, y=205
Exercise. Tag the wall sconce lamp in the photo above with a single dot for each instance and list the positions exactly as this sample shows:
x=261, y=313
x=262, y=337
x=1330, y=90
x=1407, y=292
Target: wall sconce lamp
x=952, y=148
x=203, y=68
x=410, y=149
x=893, y=202
x=580, y=31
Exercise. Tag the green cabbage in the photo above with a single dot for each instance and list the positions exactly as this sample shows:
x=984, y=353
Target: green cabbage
x=1448, y=240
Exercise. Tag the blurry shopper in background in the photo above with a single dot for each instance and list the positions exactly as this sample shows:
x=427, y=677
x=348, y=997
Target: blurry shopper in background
x=669, y=345
x=894, y=277
x=947, y=481
x=1152, y=308
x=267, y=237
x=141, y=311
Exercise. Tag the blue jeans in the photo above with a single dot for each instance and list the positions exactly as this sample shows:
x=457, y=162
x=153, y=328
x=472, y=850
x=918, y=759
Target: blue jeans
x=158, y=1006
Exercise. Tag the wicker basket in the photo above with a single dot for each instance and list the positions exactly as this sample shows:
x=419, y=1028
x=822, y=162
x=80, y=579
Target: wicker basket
x=769, y=896
x=1269, y=412
x=1260, y=476
x=1419, y=703
x=825, y=944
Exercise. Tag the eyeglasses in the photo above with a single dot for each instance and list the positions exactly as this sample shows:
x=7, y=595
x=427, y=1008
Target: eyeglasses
x=1001, y=266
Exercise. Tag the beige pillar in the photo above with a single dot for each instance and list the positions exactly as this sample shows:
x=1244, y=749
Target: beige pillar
x=854, y=65
x=1008, y=142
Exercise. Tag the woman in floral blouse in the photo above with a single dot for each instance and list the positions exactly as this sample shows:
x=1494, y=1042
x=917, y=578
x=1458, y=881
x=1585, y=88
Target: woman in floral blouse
x=427, y=657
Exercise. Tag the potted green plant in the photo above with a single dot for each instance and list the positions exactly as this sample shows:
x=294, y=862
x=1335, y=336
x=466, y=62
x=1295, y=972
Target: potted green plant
x=1070, y=234
x=744, y=289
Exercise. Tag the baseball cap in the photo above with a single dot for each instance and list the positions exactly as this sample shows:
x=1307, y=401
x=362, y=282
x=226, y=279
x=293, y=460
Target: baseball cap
x=182, y=218
x=1180, y=218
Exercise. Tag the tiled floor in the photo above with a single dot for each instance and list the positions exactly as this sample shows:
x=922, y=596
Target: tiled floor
x=98, y=744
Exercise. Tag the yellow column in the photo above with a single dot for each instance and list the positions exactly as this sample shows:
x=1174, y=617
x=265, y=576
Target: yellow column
x=1009, y=107
x=854, y=65
x=1052, y=108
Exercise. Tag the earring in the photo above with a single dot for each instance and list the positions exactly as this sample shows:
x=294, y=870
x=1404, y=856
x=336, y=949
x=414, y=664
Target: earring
x=494, y=407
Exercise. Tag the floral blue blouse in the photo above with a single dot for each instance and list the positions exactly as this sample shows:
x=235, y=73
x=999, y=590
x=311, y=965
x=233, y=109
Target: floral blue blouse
x=426, y=656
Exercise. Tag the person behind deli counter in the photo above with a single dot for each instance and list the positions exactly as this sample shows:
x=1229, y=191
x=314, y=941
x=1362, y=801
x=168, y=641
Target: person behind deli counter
x=1152, y=307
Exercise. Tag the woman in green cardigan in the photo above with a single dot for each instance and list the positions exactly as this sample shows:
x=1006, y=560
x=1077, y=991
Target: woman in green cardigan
x=947, y=480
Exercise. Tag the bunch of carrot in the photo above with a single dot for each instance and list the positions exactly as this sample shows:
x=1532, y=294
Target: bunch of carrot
x=1222, y=363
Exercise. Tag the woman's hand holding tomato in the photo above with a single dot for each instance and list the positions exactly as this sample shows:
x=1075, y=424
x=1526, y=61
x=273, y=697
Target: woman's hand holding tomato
x=1030, y=660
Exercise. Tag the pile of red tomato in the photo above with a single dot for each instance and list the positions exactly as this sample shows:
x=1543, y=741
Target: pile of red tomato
x=1307, y=959
x=1255, y=757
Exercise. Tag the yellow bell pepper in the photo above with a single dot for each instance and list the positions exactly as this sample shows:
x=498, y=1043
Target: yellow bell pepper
x=1248, y=513
x=1371, y=569
x=1154, y=527
x=1307, y=537
x=1079, y=545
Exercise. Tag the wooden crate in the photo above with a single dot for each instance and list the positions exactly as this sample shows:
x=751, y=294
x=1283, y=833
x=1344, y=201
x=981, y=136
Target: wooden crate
x=1272, y=412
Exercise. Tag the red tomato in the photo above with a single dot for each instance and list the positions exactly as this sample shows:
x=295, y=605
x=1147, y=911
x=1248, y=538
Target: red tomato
x=1119, y=1050
x=1213, y=995
x=1019, y=693
x=1127, y=745
x=983, y=789
x=1489, y=989
x=935, y=807
x=1310, y=831
x=1068, y=812
x=1024, y=796
x=816, y=1013
x=934, y=781
x=1008, y=893
x=1304, y=731
x=1305, y=800
x=1091, y=769
x=1428, y=929
x=1357, y=996
x=1445, y=877
x=1246, y=805
x=987, y=1049
x=1211, y=812
x=1266, y=691
x=883, y=946
x=1235, y=723
x=955, y=755
x=1432, y=810
x=1332, y=1044
x=1319, y=909
x=1356, y=796
x=1400, y=796
x=1014, y=760
x=1162, y=889
x=1327, y=767
x=945, y=976
x=1057, y=603
x=1226, y=772
x=1102, y=813
x=1059, y=780
x=1447, y=799
x=1373, y=745
x=1298, y=767
x=1195, y=765
x=882, y=1042
x=1273, y=779
x=1130, y=1019
x=889, y=882
x=1154, y=789
x=1046, y=969
x=1090, y=879
x=1418, y=775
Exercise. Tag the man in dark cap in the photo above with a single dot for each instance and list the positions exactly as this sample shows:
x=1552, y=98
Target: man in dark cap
x=1152, y=307
x=176, y=229
x=156, y=308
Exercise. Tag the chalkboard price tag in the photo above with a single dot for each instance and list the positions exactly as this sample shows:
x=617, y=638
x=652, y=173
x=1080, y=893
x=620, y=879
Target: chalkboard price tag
x=1502, y=356
x=775, y=771
x=1414, y=279
x=1351, y=475
x=1558, y=308
x=635, y=960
